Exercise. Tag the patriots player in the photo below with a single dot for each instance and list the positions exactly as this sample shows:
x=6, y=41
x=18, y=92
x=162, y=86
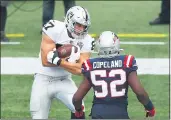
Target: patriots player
x=110, y=74
x=53, y=80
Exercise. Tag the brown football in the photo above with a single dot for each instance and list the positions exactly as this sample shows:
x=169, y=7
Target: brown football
x=65, y=50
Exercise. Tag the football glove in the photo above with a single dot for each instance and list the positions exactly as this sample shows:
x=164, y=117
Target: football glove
x=75, y=54
x=79, y=113
x=150, y=113
x=53, y=58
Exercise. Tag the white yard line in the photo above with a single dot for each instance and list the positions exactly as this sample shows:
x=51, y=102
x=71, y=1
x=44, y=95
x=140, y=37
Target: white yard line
x=29, y=65
x=10, y=43
x=142, y=43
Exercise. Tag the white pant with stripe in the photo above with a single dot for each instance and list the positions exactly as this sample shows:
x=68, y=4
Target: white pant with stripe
x=45, y=88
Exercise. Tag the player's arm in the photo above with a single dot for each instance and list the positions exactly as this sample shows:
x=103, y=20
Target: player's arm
x=137, y=88
x=140, y=92
x=50, y=33
x=75, y=68
x=80, y=93
x=47, y=45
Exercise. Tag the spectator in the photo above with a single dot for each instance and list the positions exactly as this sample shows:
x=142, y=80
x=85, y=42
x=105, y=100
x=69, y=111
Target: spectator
x=3, y=8
x=49, y=7
x=164, y=16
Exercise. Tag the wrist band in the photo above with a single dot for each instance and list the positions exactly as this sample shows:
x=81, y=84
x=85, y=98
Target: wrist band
x=78, y=109
x=149, y=105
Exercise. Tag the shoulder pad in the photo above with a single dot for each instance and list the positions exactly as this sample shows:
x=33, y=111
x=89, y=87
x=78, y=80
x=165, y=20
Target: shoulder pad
x=53, y=28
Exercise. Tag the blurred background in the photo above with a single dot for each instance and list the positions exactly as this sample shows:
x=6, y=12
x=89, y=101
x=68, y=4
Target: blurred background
x=143, y=31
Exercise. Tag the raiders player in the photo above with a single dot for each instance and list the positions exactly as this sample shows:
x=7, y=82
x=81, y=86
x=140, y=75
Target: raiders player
x=53, y=81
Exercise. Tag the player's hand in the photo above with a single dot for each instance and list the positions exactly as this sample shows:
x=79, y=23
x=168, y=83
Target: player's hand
x=150, y=113
x=75, y=54
x=53, y=58
x=79, y=113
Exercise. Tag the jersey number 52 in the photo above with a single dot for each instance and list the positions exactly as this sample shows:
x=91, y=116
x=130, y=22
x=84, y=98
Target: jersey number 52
x=108, y=86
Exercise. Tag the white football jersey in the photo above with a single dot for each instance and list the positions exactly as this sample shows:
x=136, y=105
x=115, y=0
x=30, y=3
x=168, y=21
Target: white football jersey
x=57, y=31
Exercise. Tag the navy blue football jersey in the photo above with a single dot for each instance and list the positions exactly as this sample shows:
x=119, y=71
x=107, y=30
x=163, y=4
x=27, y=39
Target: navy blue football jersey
x=108, y=77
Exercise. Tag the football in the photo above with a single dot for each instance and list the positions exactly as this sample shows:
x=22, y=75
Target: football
x=65, y=50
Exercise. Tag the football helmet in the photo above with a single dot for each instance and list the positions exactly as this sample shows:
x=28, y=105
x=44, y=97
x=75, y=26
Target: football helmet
x=77, y=15
x=108, y=44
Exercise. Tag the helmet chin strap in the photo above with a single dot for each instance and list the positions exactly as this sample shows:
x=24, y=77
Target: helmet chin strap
x=74, y=35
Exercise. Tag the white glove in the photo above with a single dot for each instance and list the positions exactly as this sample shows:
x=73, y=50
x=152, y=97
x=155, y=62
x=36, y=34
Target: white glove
x=74, y=55
x=53, y=58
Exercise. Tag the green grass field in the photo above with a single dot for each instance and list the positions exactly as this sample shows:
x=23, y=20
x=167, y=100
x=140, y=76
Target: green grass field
x=118, y=16
x=15, y=95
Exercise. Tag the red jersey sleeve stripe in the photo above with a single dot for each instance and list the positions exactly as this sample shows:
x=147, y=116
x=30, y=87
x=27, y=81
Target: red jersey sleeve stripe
x=125, y=60
x=84, y=65
x=128, y=61
x=131, y=60
x=89, y=64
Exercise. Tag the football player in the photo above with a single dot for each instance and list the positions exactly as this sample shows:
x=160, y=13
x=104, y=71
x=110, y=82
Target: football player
x=53, y=80
x=110, y=74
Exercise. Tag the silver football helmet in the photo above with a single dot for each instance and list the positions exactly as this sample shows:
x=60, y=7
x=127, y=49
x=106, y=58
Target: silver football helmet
x=80, y=16
x=108, y=44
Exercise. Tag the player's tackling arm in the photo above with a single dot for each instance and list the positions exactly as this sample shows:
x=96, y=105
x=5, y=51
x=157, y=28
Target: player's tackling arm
x=75, y=68
x=47, y=45
x=137, y=88
x=140, y=92
x=80, y=93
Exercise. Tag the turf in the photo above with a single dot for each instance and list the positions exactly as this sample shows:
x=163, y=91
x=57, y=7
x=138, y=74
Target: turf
x=118, y=16
x=15, y=96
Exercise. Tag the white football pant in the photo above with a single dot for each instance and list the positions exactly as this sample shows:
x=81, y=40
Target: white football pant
x=45, y=88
